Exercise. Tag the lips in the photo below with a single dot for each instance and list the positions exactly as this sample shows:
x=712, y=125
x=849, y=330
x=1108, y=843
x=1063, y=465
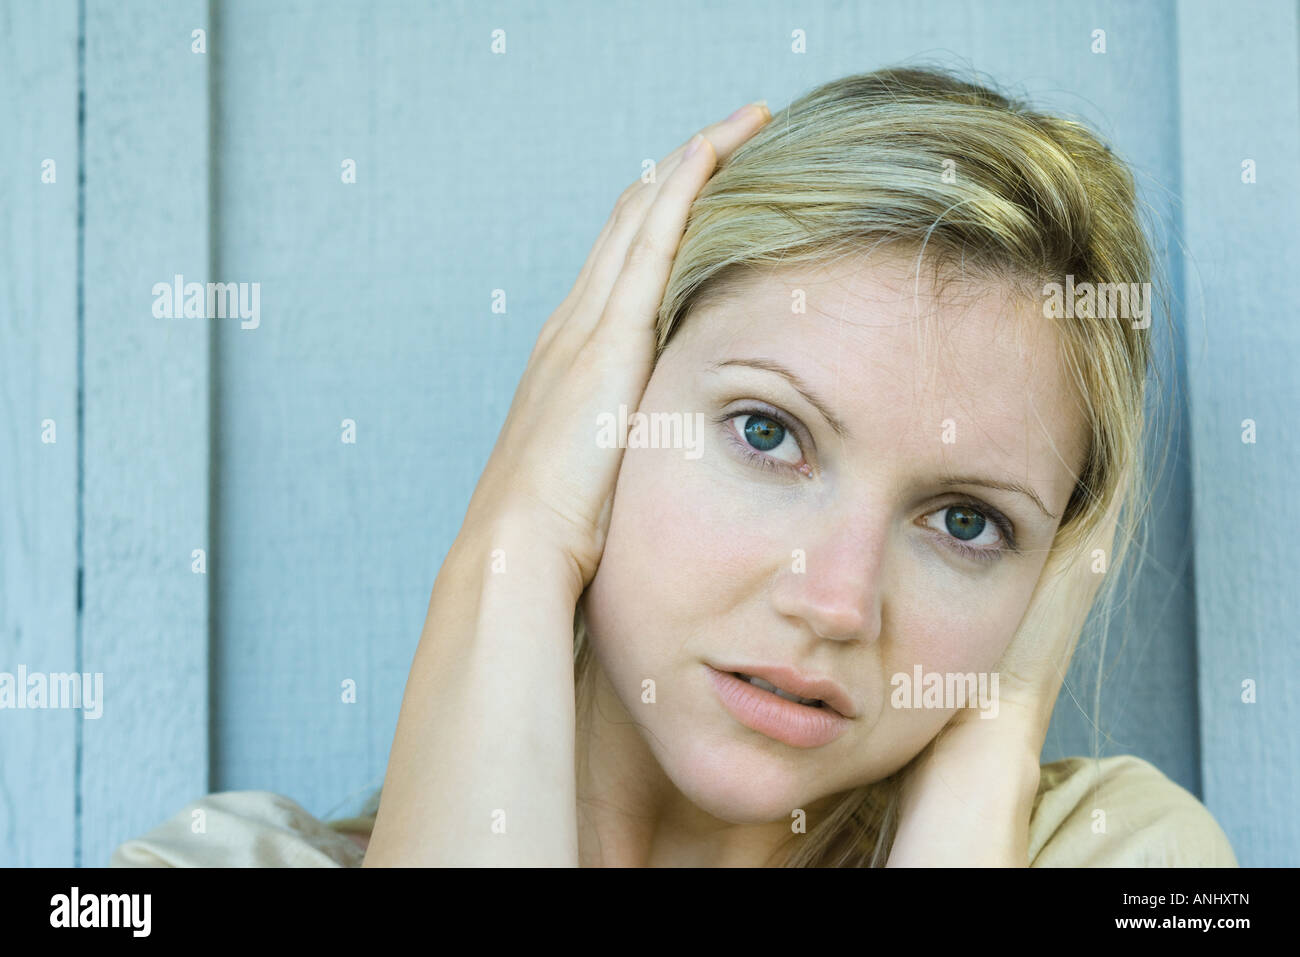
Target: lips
x=794, y=685
x=800, y=712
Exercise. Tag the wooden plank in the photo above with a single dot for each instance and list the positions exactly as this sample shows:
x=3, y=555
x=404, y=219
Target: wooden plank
x=145, y=622
x=1240, y=101
x=38, y=382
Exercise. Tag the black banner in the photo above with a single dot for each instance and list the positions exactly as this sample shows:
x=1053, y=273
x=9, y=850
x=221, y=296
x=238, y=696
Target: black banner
x=334, y=906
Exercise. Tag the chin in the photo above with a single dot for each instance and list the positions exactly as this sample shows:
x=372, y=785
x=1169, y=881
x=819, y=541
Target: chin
x=736, y=781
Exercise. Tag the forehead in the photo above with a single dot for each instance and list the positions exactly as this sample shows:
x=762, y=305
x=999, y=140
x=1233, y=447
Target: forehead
x=896, y=357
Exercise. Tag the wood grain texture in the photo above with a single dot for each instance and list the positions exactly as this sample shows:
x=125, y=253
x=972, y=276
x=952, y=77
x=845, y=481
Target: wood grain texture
x=38, y=381
x=1239, y=101
x=146, y=388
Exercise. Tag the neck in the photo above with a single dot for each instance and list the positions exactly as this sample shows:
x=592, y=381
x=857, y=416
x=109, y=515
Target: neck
x=630, y=814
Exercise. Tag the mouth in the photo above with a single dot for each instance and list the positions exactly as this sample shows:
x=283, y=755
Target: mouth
x=778, y=713
x=780, y=692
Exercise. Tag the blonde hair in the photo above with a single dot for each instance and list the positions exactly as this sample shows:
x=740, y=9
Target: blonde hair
x=1029, y=199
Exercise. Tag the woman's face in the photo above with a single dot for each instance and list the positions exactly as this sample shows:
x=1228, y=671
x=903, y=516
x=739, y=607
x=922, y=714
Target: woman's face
x=828, y=548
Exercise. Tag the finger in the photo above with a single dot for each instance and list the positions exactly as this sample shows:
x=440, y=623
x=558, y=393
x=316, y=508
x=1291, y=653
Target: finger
x=639, y=287
x=597, y=247
x=725, y=135
x=551, y=328
x=630, y=210
x=601, y=270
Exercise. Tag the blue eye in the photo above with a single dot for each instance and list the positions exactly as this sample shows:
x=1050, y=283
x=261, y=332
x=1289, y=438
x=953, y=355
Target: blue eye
x=964, y=523
x=762, y=433
x=764, y=440
x=976, y=532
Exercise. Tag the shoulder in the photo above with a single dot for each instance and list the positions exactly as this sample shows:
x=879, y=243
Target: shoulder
x=241, y=829
x=1121, y=812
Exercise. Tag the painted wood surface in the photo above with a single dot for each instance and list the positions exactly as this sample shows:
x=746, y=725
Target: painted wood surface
x=1243, y=340
x=477, y=172
x=38, y=423
x=146, y=384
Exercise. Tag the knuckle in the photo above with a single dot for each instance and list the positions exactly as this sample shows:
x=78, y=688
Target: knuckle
x=628, y=195
x=625, y=218
x=553, y=322
x=543, y=343
x=646, y=250
x=634, y=200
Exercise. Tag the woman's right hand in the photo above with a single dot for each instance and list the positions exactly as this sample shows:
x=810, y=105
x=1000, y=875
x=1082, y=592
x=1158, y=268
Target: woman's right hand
x=482, y=766
x=593, y=354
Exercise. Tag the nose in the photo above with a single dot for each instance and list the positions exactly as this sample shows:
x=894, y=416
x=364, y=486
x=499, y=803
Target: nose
x=832, y=582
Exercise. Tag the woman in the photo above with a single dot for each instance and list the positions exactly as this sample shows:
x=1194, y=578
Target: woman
x=806, y=453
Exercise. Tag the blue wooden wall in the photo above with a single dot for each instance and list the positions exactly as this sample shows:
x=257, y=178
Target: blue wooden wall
x=475, y=172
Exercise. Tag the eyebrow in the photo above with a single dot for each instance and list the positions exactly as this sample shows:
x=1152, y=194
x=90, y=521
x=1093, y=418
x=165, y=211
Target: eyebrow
x=1004, y=486
x=800, y=386
x=770, y=365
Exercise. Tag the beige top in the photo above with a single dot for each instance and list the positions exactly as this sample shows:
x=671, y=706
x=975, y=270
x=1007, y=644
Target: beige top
x=1147, y=821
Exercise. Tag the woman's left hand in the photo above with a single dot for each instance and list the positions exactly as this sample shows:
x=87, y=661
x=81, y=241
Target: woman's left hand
x=967, y=798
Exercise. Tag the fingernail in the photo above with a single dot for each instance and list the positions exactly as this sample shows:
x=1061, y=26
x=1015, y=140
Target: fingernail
x=694, y=145
x=761, y=104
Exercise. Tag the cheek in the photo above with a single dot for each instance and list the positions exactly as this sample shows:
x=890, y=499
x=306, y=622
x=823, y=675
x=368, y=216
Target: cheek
x=960, y=630
x=945, y=630
x=676, y=554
